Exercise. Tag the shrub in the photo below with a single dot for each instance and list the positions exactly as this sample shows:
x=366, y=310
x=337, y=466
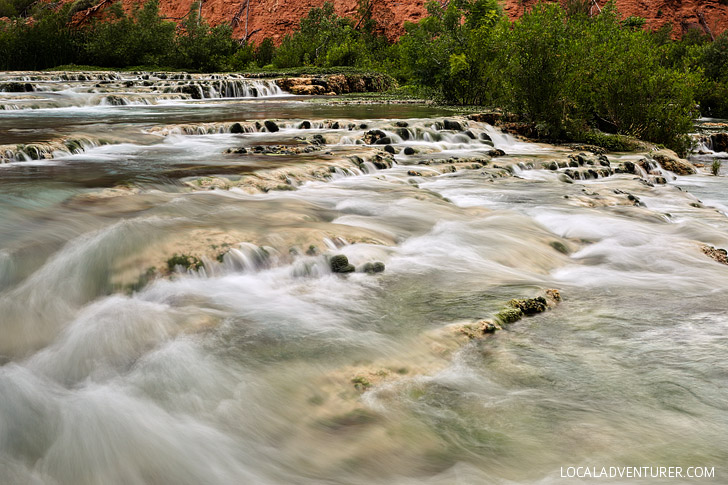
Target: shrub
x=318, y=32
x=142, y=38
x=715, y=167
x=452, y=53
x=264, y=52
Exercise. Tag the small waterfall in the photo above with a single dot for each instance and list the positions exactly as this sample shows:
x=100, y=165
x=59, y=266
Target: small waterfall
x=229, y=88
x=47, y=150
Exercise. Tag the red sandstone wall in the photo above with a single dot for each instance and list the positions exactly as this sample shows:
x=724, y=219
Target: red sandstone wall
x=275, y=18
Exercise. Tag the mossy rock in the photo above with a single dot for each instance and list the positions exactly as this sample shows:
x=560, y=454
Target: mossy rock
x=340, y=264
x=185, y=261
x=559, y=246
x=361, y=383
x=529, y=306
x=375, y=267
x=509, y=315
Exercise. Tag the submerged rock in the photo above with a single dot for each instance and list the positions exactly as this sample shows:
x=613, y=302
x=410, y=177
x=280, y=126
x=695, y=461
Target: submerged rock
x=340, y=264
x=375, y=267
x=317, y=139
x=559, y=246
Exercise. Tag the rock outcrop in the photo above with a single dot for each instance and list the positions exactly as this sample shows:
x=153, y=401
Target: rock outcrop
x=276, y=18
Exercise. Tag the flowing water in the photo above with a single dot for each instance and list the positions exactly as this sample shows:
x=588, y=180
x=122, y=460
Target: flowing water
x=257, y=364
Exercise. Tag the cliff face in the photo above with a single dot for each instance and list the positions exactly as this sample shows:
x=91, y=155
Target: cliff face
x=275, y=18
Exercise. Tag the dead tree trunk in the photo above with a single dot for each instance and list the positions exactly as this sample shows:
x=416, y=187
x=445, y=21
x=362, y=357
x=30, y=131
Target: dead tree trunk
x=704, y=25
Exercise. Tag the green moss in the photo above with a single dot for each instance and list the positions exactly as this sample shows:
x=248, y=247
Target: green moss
x=612, y=143
x=340, y=264
x=361, y=383
x=371, y=268
x=529, y=306
x=509, y=315
x=284, y=187
x=559, y=246
x=186, y=261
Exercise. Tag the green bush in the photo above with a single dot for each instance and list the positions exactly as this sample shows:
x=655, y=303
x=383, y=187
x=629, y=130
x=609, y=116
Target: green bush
x=201, y=47
x=319, y=31
x=571, y=74
x=452, y=53
x=141, y=38
x=264, y=52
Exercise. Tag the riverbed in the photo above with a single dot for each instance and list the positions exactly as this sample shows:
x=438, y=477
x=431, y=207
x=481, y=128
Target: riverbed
x=253, y=362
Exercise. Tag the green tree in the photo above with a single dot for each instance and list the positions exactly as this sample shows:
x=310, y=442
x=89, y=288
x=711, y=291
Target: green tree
x=453, y=52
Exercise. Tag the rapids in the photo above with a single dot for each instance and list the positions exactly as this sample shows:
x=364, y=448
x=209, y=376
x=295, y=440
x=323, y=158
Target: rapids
x=259, y=365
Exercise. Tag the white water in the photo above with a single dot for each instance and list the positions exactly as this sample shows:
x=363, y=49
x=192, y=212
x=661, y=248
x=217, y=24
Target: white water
x=242, y=372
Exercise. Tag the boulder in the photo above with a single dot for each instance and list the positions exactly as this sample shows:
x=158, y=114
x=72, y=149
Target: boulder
x=307, y=90
x=340, y=264
x=490, y=118
x=719, y=142
x=452, y=125
x=375, y=267
x=669, y=160
x=371, y=137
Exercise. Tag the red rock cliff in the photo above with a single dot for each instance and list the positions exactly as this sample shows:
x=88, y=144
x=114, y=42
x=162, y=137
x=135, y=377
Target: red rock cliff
x=275, y=18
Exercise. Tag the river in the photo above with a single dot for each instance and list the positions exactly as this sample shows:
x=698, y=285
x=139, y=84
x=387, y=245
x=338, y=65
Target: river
x=252, y=362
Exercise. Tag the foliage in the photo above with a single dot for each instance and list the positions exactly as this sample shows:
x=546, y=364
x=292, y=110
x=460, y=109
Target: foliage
x=140, y=38
x=15, y=8
x=36, y=45
x=319, y=32
x=572, y=74
x=324, y=39
x=452, y=52
x=202, y=47
x=715, y=167
x=264, y=52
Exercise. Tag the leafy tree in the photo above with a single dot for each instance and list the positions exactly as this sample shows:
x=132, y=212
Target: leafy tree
x=320, y=31
x=452, y=52
x=264, y=52
x=201, y=47
x=121, y=40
